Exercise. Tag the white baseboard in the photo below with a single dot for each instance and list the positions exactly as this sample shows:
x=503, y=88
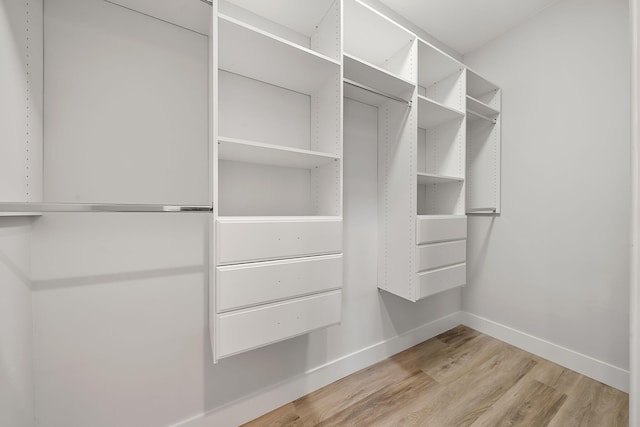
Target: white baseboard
x=263, y=401
x=266, y=400
x=585, y=365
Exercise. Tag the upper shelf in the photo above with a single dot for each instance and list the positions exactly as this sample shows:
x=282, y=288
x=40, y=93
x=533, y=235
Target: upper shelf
x=434, y=65
x=376, y=39
x=239, y=150
x=432, y=114
x=430, y=178
x=480, y=107
x=478, y=86
x=251, y=52
x=301, y=16
x=377, y=78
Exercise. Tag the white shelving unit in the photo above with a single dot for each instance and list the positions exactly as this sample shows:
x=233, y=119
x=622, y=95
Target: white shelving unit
x=422, y=167
x=277, y=75
x=483, y=145
x=278, y=172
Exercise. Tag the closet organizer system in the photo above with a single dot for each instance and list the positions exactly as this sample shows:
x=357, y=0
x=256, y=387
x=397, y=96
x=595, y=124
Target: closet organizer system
x=278, y=73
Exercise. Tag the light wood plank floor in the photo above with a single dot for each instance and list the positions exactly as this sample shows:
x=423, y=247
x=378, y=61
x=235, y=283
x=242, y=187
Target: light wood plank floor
x=459, y=378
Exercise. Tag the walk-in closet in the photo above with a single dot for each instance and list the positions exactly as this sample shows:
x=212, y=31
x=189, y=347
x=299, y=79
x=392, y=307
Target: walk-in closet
x=319, y=212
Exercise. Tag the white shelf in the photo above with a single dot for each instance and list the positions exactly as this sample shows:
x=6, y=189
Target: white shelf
x=480, y=107
x=432, y=113
x=253, y=53
x=239, y=150
x=434, y=65
x=478, y=86
x=372, y=36
x=377, y=78
x=430, y=178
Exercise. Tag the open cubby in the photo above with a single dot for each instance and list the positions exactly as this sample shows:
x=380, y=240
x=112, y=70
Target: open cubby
x=440, y=77
x=372, y=39
x=252, y=189
x=443, y=198
x=483, y=92
x=310, y=24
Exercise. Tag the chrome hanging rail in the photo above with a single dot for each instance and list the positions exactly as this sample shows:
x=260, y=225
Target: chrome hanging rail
x=37, y=207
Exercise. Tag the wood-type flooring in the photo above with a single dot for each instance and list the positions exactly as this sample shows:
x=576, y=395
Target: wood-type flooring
x=459, y=378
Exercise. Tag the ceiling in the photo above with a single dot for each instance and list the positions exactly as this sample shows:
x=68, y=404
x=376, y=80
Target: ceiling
x=465, y=25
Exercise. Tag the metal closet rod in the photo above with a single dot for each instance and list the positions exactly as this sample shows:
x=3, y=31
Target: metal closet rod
x=481, y=210
x=209, y=2
x=377, y=92
x=37, y=207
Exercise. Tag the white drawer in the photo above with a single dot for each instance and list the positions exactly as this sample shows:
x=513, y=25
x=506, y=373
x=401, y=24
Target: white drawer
x=430, y=229
x=244, y=330
x=437, y=255
x=257, y=239
x=435, y=281
x=243, y=285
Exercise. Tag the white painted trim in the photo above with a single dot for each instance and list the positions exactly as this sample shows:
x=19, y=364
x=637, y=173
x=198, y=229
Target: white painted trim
x=583, y=364
x=266, y=400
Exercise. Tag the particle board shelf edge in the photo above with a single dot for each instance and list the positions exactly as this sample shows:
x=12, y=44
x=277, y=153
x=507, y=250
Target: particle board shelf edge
x=251, y=52
x=270, y=154
x=429, y=178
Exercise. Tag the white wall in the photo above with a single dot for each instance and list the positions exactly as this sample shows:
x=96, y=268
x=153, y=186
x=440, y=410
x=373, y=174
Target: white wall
x=16, y=356
x=120, y=301
x=555, y=264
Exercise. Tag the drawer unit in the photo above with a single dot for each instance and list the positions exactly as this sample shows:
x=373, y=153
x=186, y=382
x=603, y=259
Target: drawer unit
x=259, y=239
x=432, y=228
x=442, y=279
x=244, y=330
x=244, y=285
x=437, y=255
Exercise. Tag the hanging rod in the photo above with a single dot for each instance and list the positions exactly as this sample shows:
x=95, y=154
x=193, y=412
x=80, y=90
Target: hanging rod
x=209, y=2
x=37, y=207
x=377, y=92
x=481, y=210
x=482, y=116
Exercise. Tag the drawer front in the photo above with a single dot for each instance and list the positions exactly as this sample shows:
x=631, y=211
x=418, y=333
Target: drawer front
x=260, y=240
x=438, y=255
x=435, y=281
x=430, y=230
x=244, y=330
x=262, y=282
